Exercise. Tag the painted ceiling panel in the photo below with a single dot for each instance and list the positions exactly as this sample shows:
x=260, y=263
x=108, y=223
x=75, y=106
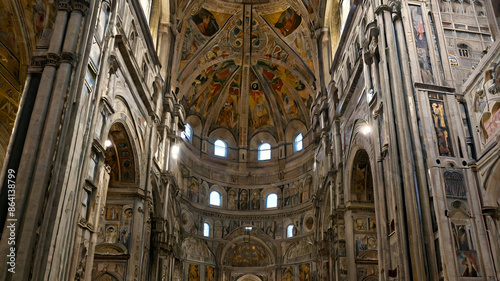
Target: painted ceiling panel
x=260, y=112
x=229, y=114
x=248, y=66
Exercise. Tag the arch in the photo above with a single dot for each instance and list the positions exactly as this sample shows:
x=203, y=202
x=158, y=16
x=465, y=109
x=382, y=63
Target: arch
x=226, y=136
x=195, y=122
x=121, y=155
x=257, y=140
x=491, y=185
x=108, y=276
x=222, y=193
x=361, y=180
x=240, y=245
x=294, y=128
x=249, y=277
x=111, y=249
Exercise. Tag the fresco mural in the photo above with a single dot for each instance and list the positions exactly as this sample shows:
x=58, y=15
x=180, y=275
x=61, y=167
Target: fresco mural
x=247, y=254
x=305, y=272
x=288, y=274
x=228, y=116
x=194, y=274
x=288, y=23
x=205, y=21
x=276, y=76
x=244, y=200
x=259, y=108
x=424, y=59
x=466, y=254
x=280, y=85
x=441, y=125
x=490, y=122
x=201, y=26
x=207, y=87
x=209, y=274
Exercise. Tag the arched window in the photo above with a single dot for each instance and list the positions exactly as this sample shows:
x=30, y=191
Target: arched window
x=188, y=133
x=297, y=143
x=264, y=151
x=272, y=200
x=289, y=231
x=463, y=50
x=220, y=148
x=215, y=198
x=206, y=230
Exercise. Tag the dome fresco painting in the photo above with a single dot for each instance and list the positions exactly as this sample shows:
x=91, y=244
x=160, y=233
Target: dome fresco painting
x=276, y=80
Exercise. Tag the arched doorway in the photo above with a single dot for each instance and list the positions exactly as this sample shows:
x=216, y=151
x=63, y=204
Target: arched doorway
x=364, y=255
x=116, y=248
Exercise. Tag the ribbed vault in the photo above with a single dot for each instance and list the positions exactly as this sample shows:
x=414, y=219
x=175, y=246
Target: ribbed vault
x=247, y=68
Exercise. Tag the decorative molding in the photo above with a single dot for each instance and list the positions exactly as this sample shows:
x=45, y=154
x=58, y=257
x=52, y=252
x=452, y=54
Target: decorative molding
x=68, y=58
x=434, y=88
x=81, y=6
x=53, y=59
x=64, y=5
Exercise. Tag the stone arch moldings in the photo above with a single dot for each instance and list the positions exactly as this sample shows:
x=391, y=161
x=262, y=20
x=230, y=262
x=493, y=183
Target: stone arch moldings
x=124, y=122
x=249, y=277
x=359, y=142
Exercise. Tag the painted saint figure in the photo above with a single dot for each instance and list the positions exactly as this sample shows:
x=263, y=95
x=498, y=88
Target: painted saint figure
x=205, y=22
x=289, y=21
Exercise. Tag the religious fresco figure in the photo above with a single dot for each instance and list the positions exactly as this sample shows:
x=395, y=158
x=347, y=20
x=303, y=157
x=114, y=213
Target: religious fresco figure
x=288, y=21
x=305, y=272
x=205, y=21
x=193, y=273
x=231, y=200
x=244, y=200
x=441, y=128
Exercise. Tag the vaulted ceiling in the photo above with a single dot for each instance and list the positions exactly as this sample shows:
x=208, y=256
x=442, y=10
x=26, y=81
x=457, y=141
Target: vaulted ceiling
x=247, y=67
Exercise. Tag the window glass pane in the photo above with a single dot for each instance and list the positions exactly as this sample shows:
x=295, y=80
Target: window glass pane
x=188, y=133
x=220, y=148
x=289, y=230
x=272, y=200
x=298, y=142
x=206, y=229
x=264, y=152
x=215, y=198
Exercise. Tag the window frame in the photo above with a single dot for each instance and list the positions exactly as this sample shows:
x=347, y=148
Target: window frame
x=266, y=150
x=206, y=229
x=219, y=198
x=188, y=137
x=297, y=142
x=267, y=200
x=289, y=230
x=219, y=147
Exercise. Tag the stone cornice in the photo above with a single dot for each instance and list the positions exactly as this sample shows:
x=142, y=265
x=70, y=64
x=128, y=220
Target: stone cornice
x=249, y=215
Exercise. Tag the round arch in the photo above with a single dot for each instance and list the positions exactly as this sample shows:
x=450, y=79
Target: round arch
x=235, y=247
x=249, y=277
